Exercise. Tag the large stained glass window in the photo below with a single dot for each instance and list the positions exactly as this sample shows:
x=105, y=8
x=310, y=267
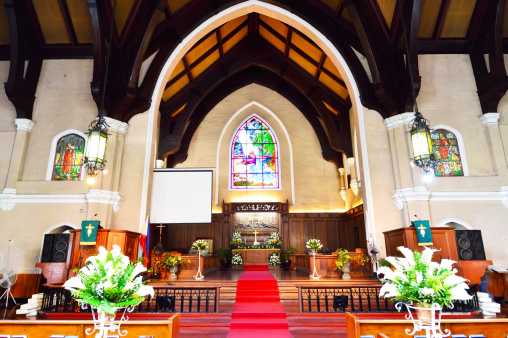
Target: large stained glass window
x=254, y=157
x=446, y=151
x=68, y=158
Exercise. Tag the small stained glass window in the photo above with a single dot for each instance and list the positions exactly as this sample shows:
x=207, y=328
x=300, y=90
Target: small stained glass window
x=254, y=157
x=68, y=158
x=446, y=152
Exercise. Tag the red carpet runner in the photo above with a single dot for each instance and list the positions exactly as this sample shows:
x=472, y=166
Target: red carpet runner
x=258, y=311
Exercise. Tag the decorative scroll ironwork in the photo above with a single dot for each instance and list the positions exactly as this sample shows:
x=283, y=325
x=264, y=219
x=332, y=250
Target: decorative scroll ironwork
x=249, y=207
x=165, y=300
x=363, y=299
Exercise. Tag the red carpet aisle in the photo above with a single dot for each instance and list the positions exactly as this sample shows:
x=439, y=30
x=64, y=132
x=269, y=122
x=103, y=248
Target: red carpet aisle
x=258, y=311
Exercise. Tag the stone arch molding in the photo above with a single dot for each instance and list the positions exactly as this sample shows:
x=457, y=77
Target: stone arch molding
x=56, y=226
x=273, y=11
x=454, y=220
x=52, y=152
x=227, y=127
x=460, y=143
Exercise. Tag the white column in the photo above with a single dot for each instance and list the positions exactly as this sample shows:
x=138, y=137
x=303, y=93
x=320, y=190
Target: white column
x=342, y=184
x=352, y=172
x=491, y=126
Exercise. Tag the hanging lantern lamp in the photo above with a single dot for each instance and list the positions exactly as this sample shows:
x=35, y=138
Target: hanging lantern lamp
x=96, y=146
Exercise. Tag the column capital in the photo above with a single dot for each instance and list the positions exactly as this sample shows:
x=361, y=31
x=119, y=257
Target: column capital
x=489, y=118
x=351, y=161
x=341, y=171
x=24, y=124
x=116, y=125
x=399, y=120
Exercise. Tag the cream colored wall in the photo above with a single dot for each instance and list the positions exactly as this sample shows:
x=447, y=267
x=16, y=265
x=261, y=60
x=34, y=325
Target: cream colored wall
x=7, y=127
x=131, y=180
x=448, y=96
x=316, y=181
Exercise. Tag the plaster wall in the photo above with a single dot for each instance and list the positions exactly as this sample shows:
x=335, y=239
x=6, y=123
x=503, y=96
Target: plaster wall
x=7, y=127
x=316, y=181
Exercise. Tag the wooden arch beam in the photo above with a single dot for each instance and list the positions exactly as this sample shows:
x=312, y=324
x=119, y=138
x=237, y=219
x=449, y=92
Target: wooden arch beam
x=492, y=81
x=20, y=87
x=177, y=153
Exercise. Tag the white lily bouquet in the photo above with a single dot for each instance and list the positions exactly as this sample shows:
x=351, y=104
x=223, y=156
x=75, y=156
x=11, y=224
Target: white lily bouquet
x=314, y=244
x=200, y=244
x=274, y=259
x=419, y=280
x=109, y=281
x=237, y=259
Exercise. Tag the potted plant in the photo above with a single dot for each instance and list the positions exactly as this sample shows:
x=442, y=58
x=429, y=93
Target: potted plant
x=274, y=239
x=285, y=255
x=274, y=259
x=171, y=263
x=225, y=257
x=427, y=285
x=343, y=262
x=237, y=259
x=107, y=283
x=236, y=239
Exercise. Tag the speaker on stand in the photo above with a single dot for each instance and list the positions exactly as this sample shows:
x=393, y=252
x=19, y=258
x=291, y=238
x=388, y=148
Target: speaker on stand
x=55, y=248
x=479, y=250
x=47, y=248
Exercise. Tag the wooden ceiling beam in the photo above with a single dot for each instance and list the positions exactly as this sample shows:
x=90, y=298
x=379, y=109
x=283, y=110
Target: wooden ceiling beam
x=492, y=81
x=21, y=86
x=68, y=22
x=228, y=85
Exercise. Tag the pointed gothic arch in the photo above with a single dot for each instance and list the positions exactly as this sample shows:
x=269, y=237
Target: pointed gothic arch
x=461, y=150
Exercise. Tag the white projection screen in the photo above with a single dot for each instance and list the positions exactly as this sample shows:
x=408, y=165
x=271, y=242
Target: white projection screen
x=181, y=196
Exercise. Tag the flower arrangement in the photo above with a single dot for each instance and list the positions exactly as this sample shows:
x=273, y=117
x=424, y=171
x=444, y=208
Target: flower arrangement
x=167, y=260
x=237, y=259
x=273, y=259
x=419, y=280
x=274, y=239
x=200, y=244
x=236, y=239
x=108, y=281
x=344, y=257
x=314, y=244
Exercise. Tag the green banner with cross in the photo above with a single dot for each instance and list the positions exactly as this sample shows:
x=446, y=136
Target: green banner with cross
x=423, y=233
x=89, y=232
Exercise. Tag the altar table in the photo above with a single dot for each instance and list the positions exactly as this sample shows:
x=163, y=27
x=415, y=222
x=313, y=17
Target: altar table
x=255, y=255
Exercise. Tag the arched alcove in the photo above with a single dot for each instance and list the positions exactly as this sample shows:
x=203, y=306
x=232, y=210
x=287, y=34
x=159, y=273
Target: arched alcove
x=455, y=223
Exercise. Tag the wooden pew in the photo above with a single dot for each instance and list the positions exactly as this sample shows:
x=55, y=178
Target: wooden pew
x=490, y=328
x=46, y=328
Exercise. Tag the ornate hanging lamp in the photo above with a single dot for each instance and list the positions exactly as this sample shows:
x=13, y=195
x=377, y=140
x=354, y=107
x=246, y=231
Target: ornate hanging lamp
x=98, y=129
x=420, y=131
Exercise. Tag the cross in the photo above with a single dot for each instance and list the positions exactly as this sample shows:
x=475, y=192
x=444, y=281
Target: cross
x=160, y=231
x=422, y=229
x=255, y=237
x=90, y=228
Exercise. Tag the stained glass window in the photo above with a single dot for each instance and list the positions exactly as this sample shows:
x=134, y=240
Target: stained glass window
x=254, y=157
x=446, y=151
x=68, y=158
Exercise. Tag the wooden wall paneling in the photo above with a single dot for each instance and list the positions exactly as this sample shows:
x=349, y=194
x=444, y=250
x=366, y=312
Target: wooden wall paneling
x=216, y=234
x=320, y=232
x=26, y=285
x=344, y=234
x=332, y=233
x=296, y=238
x=192, y=233
x=308, y=231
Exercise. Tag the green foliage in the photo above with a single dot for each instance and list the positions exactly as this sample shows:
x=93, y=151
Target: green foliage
x=224, y=253
x=342, y=258
x=285, y=254
x=264, y=139
x=168, y=261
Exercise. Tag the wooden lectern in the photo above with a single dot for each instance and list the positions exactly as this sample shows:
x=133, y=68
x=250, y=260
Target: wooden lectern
x=58, y=273
x=443, y=239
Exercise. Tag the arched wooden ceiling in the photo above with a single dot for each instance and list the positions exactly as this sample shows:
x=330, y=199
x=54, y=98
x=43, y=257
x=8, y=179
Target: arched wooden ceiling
x=33, y=30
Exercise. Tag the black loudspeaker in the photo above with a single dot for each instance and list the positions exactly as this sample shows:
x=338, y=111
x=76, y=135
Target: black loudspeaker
x=47, y=248
x=55, y=248
x=60, y=248
x=470, y=245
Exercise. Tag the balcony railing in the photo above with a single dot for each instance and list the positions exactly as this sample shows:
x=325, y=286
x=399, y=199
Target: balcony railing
x=167, y=299
x=362, y=299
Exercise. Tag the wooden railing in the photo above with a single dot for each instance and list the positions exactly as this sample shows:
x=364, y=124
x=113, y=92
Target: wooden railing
x=167, y=299
x=361, y=298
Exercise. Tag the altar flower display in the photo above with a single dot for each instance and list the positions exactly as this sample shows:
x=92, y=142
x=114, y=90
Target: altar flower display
x=237, y=259
x=236, y=239
x=314, y=245
x=274, y=239
x=108, y=282
x=417, y=279
x=200, y=244
x=273, y=259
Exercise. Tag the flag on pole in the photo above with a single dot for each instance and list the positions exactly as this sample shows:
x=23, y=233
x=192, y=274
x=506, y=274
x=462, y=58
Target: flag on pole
x=143, y=240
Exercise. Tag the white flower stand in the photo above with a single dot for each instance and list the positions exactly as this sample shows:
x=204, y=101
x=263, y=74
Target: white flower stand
x=432, y=328
x=315, y=274
x=199, y=275
x=104, y=322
